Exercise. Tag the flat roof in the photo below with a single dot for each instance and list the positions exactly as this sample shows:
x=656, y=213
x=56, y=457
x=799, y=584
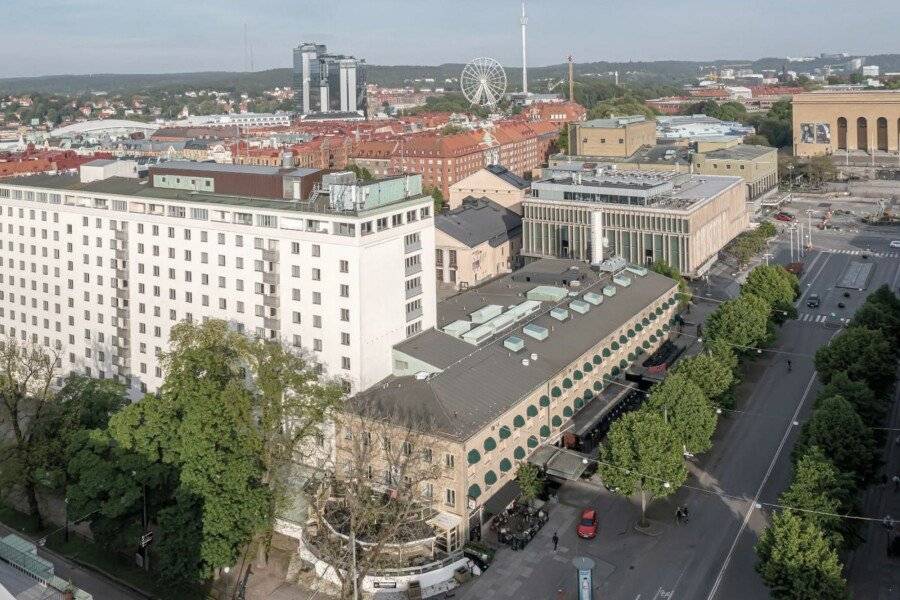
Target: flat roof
x=479, y=220
x=614, y=122
x=477, y=384
x=739, y=152
x=140, y=189
x=187, y=165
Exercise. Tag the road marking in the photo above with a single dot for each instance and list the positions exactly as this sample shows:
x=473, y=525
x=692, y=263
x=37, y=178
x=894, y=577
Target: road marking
x=787, y=433
x=815, y=277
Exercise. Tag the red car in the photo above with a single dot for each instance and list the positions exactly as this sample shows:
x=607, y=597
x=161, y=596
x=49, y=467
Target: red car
x=587, y=524
x=783, y=216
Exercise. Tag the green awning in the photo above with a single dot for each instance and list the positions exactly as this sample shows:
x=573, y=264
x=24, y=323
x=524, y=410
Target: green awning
x=631, y=356
x=567, y=383
x=556, y=392
x=672, y=321
x=519, y=421
x=653, y=317
x=474, y=456
x=631, y=333
x=490, y=444
x=490, y=478
x=623, y=339
x=606, y=352
x=578, y=403
x=474, y=491
x=504, y=432
x=532, y=442
x=659, y=310
x=639, y=351
x=578, y=375
x=597, y=359
x=623, y=364
x=531, y=411
x=666, y=327
x=645, y=322
x=645, y=345
x=588, y=367
x=567, y=411
x=659, y=333
x=545, y=431
x=588, y=394
x=505, y=465
x=598, y=385
x=614, y=345
x=653, y=339
x=638, y=327
x=544, y=401
x=615, y=371
x=556, y=421
x=519, y=453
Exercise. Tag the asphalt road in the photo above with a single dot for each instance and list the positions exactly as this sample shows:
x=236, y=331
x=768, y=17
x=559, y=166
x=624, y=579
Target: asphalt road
x=712, y=556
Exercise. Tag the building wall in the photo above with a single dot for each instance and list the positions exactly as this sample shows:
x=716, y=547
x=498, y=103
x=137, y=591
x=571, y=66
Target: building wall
x=842, y=112
x=238, y=184
x=473, y=265
x=485, y=184
x=106, y=285
x=613, y=141
x=760, y=174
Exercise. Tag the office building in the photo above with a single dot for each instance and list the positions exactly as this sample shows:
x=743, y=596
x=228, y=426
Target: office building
x=616, y=136
x=328, y=83
x=508, y=369
x=827, y=122
x=100, y=271
x=591, y=214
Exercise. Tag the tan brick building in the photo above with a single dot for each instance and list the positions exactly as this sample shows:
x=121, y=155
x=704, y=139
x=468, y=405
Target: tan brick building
x=616, y=136
x=495, y=182
x=828, y=122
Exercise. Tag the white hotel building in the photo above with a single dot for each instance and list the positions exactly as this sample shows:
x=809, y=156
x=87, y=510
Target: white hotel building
x=102, y=270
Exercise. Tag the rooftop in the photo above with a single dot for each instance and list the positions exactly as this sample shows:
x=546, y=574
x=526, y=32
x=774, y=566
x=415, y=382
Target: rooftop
x=186, y=165
x=740, y=152
x=478, y=383
x=479, y=220
x=614, y=122
x=508, y=176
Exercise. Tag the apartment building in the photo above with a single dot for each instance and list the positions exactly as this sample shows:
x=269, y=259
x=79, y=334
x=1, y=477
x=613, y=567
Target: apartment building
x=616, y=136
x=101, y=271
x=494, y=182
x=591, y=214
x=507, y=370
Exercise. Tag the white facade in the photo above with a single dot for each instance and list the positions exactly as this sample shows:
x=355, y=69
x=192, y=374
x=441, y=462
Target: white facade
x=103, y=277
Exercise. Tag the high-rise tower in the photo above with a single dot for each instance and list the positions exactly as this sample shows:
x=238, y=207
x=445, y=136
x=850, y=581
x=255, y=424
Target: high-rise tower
x=524, y=55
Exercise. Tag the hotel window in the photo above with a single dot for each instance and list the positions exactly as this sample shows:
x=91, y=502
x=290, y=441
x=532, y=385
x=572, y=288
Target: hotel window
x=450, y=498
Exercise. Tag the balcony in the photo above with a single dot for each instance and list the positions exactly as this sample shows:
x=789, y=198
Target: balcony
x=122, y=293
x=272, y=323
x=413, y=269
x=271, y=277
x=122, y=333
x=121, y=254
x=271, y=301
x=416, y=245
x=121, y=274
x=270, y=255
x=413, y=292
x=413, y=314
x=122, y=362
x=121, y=313
x=121, y=235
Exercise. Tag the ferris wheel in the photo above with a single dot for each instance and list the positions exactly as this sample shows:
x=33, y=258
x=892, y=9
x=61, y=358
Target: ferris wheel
x=483, y=82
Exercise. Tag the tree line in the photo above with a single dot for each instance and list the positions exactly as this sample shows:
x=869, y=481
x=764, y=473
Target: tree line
x=645, y=450
x=836, y=457
x=208, y=456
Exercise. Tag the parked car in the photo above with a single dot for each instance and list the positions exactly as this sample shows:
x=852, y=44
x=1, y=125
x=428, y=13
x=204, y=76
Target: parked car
x=783, y=216
x=813, y=301
x=587, y=524
x=895, y=244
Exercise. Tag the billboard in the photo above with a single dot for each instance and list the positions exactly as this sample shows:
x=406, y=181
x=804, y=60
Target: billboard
x=823, y=133
x=815, y=133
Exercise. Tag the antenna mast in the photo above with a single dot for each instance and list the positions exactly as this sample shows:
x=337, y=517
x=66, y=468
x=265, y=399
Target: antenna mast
x=571, y=78
x=524, y=55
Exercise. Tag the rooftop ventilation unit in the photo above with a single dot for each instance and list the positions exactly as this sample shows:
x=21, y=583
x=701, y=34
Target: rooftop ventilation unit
x=478, y=335
x=560, y=314
x=594, y=298
x=485, y=313
x=609, y=291
x=529, y=307
x=639, y=271
x=547, y=293
x=580, y=306
x=514, y=343
x=457, y=328
x=538, y=332
x=623, y=280
x=613, y=264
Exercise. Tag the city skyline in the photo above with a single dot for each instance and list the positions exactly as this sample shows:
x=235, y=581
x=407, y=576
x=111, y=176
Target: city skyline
x=197, y=38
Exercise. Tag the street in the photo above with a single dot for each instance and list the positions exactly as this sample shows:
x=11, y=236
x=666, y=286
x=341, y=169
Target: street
x=712, y=556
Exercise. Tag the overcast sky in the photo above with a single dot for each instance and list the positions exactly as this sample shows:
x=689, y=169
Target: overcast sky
x=48, y=37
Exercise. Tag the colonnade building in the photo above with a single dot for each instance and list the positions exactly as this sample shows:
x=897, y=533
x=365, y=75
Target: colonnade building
x=100, y=271
x=829, y=122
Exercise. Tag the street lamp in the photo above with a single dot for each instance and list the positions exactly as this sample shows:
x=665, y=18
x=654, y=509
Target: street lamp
x=809, y=214
x=790, y=183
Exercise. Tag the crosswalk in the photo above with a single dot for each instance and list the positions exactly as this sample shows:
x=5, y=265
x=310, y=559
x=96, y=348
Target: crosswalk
x=811, y=318
x=858, y=252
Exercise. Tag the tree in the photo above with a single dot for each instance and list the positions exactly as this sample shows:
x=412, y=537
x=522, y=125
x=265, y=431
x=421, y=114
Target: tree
x=754, y=139
x=708, y=371
x=797, y=562
x=438, y=197
x=837, y=429
x=776, y=286
x=881, y=311
x=864, y=354
x=530, y=481
x=870, y=408
x=362, y=173
x=642, y=455
x=687, y=410
x=823, y=491
x=27, y=403
x=620, y=106
x=684, y=292
x=376, y=493
x=742, y=322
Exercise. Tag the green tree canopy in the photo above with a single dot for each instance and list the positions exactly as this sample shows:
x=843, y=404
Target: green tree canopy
x=709, y=371
x=642, y=455
x=864, y=354
x=776, y=286
x=837, y=429
x=880, y=311
x=742, y=322
x=621, y=105
x=687, y=410
x=797, y=561
x=530, y=480
x=870, y=408
x=818, y=487
x=664, y=268
x=754, y=139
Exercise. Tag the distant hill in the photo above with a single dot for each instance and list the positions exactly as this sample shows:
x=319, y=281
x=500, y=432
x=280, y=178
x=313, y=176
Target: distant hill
x=672, y=71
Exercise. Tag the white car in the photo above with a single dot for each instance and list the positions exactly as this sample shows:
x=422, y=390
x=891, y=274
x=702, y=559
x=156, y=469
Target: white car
x=895, y=244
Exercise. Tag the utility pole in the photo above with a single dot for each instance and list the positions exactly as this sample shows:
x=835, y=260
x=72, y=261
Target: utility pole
x=767, y=256
x=809, y=213
x=353, y=556
x=524, y=56
x=571, y=78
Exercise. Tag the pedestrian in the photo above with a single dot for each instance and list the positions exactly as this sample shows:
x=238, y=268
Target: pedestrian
x=555, y=541
x=678, y=514
x=896, y=480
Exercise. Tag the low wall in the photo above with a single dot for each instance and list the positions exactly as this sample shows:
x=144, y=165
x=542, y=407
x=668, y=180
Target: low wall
x=371, y=584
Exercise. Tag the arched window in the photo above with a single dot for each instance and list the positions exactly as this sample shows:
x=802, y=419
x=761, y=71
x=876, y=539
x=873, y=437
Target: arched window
x=881, y=137
x=862, y=133
x=842, y=133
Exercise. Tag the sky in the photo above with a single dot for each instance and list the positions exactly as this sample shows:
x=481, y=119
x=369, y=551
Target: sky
x=52, y=37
